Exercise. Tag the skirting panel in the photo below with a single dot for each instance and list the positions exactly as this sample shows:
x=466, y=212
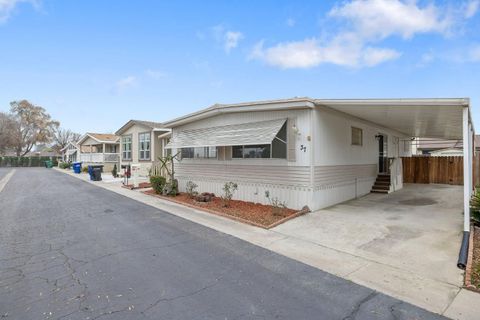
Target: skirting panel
x=294, y=197
x=329, y=195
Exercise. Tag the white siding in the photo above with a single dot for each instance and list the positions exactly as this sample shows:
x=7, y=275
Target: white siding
x=145, y=165
x=302, y=122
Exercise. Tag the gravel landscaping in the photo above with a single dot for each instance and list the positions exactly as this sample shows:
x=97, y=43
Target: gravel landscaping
x=248, y=212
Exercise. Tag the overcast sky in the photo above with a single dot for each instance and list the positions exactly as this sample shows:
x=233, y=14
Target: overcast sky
x=96, y=64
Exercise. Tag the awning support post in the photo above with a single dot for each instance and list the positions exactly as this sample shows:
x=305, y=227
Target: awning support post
x=467, y=169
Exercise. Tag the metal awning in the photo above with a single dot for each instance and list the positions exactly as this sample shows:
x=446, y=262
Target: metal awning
x=251, y=133
x=432, y=118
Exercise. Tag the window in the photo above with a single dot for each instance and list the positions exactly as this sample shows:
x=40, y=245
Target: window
x=357, y=136
x=144, y=146
x=111, y=148
x=277, y=149
x=127, y=148
x=279, y=144
x=199, y=153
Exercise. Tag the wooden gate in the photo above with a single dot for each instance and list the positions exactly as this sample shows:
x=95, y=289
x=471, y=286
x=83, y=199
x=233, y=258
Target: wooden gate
x=425, y=169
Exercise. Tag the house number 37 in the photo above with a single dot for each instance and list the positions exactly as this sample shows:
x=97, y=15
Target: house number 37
x=303, y=148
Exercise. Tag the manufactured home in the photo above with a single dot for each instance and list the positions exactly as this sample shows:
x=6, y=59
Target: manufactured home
x=142, y=143
x=70, y=152
x=308, y=151
x=99, y=149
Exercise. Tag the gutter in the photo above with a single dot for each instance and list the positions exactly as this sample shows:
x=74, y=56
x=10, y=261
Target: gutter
x=223, y=109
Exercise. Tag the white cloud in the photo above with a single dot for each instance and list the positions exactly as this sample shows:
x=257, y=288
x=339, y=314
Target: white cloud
x=311, y=53
x=155, y=74
x=471, y=8
x=232, y=38
x=291, y=22
x=383, y=18
x=7, y=7
x=362, y=25
x=227, y=38
x=125, y=83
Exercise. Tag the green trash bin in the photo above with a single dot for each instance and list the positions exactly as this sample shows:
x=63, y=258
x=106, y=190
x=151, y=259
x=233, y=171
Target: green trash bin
x=48, y=164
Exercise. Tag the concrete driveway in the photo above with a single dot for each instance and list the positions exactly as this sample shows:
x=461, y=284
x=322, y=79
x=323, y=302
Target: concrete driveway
x=417, y=229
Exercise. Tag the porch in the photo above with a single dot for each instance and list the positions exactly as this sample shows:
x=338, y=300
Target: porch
x=99, y=157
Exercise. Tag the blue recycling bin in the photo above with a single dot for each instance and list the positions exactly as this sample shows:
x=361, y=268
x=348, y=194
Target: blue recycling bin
x=77, y=167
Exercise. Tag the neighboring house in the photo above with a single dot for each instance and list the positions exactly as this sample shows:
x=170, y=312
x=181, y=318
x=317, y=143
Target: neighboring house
x=441, y=147
x=44, y=151
x=301, y=150
x=70, y=152
x=99, y=148
x=142, y=142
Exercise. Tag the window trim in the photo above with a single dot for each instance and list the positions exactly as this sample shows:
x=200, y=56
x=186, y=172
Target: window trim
x=351, y=136
x=123, y=147
x=149, y=133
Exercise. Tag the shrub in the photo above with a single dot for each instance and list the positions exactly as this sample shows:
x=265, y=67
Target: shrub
x=228, y=190
x=64, y=165
x=192, y=189
x=475, y=207
x=114, y=171
x=158, y=183
x=85, y=169
x=171, y=188
x=278, y=206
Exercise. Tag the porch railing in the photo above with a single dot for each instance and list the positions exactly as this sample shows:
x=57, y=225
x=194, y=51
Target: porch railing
x=99, y=157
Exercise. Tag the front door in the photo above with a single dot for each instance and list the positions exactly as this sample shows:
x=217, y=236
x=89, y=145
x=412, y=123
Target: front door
x=382, y=154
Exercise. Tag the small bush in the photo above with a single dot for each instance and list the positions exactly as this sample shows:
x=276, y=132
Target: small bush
x=228, y=190
x=278, y=206
x=475, y=206
x=85, y=169
x=192, y=189
x=171, y=188
x=114, y=171
x=65, y=165
x=158, y=183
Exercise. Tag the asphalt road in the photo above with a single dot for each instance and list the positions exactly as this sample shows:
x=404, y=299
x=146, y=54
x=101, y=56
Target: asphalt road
x=70, y=250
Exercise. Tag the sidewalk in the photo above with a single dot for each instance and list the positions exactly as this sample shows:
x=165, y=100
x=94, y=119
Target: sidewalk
x=430, y=294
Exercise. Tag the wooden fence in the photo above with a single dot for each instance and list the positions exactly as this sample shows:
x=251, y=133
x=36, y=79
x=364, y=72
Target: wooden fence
x=424, y=169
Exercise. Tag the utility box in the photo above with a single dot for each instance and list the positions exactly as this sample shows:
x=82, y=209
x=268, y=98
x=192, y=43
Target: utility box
x=135, y=171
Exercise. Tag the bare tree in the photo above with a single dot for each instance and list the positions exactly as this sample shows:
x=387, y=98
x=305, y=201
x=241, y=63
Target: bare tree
x=62, y=137
x=8, y=130
x=35, y=125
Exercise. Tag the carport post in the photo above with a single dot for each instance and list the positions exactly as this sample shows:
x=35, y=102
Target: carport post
x=467, y=171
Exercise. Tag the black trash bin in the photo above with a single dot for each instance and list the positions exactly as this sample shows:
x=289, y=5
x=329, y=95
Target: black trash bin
x=97, y=174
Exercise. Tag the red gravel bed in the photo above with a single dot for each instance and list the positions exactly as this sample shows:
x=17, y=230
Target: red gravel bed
x=256, y=214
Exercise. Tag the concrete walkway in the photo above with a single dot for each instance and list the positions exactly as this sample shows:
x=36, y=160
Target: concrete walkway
x=432, y=292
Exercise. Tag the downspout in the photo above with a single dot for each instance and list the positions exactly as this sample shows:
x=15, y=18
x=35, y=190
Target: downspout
x=463, y=254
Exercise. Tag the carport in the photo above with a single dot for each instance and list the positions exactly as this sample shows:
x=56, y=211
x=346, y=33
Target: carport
x=444, y=118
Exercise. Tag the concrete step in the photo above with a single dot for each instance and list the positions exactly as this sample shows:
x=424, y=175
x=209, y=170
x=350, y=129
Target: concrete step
x=379, y=190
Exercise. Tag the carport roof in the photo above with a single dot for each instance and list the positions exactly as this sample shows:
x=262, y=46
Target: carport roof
x=433, y=118
x=426, y=117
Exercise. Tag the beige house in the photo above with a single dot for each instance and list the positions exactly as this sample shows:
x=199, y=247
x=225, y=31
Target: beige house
x=70, y=152
x=142, y=142
x=99, y=148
